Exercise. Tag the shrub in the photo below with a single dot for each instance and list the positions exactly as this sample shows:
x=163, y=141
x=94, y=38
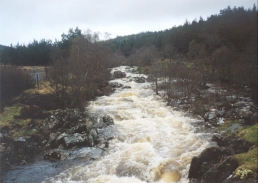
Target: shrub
x=13, y=81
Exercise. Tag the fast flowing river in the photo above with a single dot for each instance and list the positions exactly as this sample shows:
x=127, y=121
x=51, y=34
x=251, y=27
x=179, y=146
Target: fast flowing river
x=152, y=142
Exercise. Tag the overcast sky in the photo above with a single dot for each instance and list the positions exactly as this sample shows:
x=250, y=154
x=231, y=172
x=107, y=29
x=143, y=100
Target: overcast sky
x=25, y=20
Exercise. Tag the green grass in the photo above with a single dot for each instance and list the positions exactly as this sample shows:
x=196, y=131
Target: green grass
x=248, y=164
x=250, y=134
x=7, y=116
x=17, y=127
x=248, y=161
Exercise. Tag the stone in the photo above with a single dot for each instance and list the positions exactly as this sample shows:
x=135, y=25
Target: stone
x=99, y=124
x=93, y=133
x=206, y=160
x=126, y=87
x=211, y=116
x=173, y=103
x=53, y=155
x=51, y=123
x=95, y=153
x=219, y=113
x=250, y=120
x=59, y=140
x=108, y=120
x=4, y=133
x=237, y=144
x=139, y=79
x=221, y=171
x=115, y=85
x=90, y=141
x=23, y=162
x=221, y=140
x=99, y=140
x=216, y=164
x=119, y=74
x=107, y=133
x=80, y=128
x=72, y=128
x=75, y=139
x=51, y=140
x=102, y=146
x=20, y=143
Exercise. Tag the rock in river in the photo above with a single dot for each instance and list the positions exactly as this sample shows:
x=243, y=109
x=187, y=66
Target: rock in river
x=119, y=74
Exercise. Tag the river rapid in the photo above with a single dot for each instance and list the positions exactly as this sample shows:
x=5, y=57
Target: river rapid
x=152, y=143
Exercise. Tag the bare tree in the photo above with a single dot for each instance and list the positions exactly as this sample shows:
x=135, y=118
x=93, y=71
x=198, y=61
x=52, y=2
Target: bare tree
x=155, y=75
x=77, y=78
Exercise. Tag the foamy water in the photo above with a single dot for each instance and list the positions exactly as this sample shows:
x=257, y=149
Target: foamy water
x=152, y=142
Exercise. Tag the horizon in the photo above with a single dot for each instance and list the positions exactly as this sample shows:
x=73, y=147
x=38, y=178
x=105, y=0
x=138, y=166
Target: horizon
x=126, y=19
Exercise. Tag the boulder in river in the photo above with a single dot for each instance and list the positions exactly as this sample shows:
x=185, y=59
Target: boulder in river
x=139, y=79
x=115, y=85
x=119, y=74
x=126, y=87
x=108, y=120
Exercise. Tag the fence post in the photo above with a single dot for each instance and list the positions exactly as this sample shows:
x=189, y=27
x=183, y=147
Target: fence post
x=38, y=80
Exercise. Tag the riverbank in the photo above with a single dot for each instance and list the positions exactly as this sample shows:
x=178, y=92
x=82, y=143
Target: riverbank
x=232, y=117
x=62, y=133
x=32, y=129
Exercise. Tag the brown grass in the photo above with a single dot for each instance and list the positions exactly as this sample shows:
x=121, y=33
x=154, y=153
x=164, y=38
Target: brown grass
x=32, y=68
x=44, y=89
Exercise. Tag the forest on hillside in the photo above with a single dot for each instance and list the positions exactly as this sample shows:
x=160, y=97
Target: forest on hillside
x=221, y=49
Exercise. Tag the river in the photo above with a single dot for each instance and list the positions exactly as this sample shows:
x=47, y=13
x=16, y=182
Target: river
x=152, y=143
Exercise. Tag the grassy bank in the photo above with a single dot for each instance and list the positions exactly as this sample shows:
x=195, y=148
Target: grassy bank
x=248, y=161
x=11, y=122
x=25, y=111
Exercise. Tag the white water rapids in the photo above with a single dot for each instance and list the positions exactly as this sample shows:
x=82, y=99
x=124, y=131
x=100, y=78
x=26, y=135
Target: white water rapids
x=152, y=142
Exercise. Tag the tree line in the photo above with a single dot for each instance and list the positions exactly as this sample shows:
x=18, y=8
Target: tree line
x=35, y=53
x=232, y=27
x=77, y=67
x=222, y=49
